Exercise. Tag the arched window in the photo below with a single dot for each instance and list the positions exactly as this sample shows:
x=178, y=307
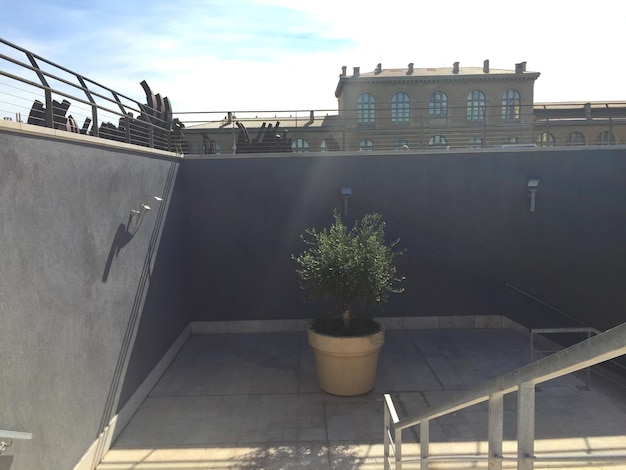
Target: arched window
x=329, y=144
x=437, y=141
x=400, y=109
x=606, y=138
x=300, y=145
x=476, y=106
x=438, y=104
x=576, y=138
x=511, y=105
x=366, y=145
x=545, y=139
x=476, y=141
x=401, y=144
x=366, y=110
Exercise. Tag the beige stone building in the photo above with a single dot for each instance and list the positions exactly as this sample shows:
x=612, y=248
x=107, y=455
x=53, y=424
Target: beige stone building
x=436, y=107
x=412, y=108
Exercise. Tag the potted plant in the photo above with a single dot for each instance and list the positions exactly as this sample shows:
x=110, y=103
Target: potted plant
x=352, y=267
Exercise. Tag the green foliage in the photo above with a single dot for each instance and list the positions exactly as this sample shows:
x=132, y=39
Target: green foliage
x=349, y=266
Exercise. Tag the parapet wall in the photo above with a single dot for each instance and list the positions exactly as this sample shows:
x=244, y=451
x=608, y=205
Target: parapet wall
x=73, y=285
x=464, y=219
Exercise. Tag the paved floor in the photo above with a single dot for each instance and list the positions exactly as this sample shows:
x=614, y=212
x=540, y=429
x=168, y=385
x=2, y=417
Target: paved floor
x=250, y=401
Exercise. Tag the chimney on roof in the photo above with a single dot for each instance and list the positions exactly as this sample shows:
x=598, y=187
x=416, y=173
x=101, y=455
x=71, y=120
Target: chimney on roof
x=379, y=68
x=356, y=72
x=410, y=71
x=486, y=66
x=455, y=67
x=343, y=71
x=520, y=68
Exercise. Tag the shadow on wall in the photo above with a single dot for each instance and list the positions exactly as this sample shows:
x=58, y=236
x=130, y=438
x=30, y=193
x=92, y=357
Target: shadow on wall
x=121, y=239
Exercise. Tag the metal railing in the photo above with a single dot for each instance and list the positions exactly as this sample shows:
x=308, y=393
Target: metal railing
x=45, y=92
x=7, y=437
x=605, y=346
x=341, y=130
x=41, y=92
x=582, y=327
x=588, y=331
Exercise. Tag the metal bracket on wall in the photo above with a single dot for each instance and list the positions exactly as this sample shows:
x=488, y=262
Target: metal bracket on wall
x=136, y=215
x=533, y=187
x=345, y=194
x=6, y=438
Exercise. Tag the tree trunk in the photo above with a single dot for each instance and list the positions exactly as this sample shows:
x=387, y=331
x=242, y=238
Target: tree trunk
x=346, y=316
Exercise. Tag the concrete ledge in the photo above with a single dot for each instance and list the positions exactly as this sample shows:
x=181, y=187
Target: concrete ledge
x=390, y=323
x=250, y=326
x=41, y=131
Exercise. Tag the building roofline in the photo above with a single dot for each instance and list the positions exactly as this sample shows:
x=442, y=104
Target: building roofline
x=431, y=75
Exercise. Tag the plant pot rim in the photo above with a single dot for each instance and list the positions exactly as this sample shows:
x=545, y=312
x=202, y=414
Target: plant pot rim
x=324, y=331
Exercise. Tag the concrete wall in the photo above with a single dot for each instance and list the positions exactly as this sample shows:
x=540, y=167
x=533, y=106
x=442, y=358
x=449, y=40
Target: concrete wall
x=73, y=288
x=463, y=218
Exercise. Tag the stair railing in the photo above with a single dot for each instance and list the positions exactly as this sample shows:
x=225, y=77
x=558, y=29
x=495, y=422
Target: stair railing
x=600, y=348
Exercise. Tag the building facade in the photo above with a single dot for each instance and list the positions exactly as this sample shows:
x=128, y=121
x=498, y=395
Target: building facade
x=423, y=108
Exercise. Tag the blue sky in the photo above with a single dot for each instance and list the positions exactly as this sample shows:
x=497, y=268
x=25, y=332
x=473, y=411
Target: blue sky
x=287, y=54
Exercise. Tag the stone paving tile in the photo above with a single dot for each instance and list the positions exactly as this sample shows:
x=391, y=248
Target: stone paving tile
x=251, y=401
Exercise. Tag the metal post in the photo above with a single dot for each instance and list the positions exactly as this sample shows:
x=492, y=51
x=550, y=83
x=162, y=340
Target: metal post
x=496, y=419
x=588, y=369
x=526, y=426
x=49, y=112
x=94, y=107
x=398, y=448
x=125, y=114
x=424, y=441
x=386, y=420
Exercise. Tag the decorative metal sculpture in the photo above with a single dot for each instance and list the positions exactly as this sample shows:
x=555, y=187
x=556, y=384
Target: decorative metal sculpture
x=268, y=139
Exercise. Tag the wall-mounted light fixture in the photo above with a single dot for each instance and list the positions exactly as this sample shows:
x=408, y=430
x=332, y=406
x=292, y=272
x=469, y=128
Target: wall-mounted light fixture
x=136, y=215
x=345, y=194
x=533, y=187
x=7, y=437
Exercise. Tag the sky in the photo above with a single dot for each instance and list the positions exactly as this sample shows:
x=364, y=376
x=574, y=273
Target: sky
x=208, y=55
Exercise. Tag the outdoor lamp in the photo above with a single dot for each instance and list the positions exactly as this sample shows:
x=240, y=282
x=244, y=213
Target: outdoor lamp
x=346, y=193
x=136, y=215
x=533, y=187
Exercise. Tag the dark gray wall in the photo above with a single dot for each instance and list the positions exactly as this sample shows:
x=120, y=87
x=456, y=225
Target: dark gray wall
x=463, y=219
x=72, y=289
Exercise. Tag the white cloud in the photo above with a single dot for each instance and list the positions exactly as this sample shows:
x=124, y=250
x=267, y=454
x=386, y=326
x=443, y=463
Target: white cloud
x=281, y=54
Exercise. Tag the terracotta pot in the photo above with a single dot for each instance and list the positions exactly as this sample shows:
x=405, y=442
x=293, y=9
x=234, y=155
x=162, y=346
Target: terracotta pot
x=346, y=365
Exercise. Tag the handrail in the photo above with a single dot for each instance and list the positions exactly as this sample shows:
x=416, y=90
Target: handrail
x=585, y=327
x=418, y=129
x=589, y=331
x=152, y=120
x=603, y=347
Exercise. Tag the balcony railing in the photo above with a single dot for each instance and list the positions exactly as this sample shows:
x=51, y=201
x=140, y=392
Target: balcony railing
x=37, y=91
